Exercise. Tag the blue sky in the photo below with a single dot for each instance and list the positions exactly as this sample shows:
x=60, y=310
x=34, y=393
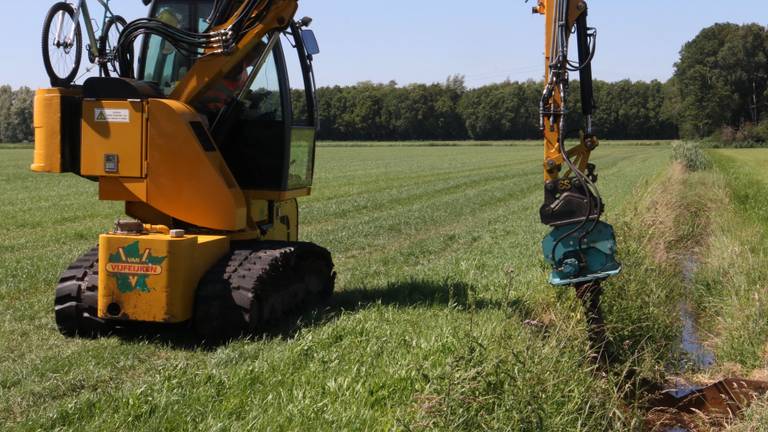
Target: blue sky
x=427, y=40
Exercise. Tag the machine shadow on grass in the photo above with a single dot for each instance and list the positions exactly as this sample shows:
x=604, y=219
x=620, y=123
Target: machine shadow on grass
x=406, y=294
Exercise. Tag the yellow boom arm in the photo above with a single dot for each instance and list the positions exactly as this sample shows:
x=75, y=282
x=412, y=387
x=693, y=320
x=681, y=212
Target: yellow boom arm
x=553, y=107
x=580, y=248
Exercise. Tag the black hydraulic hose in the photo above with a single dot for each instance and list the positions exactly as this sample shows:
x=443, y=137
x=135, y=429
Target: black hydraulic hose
x=585, y=71
x=592, y=48
x=215, y=18
x=584, y=180
x=599, y=210
x=588, y=105
x=586, y=54
x=188, y=43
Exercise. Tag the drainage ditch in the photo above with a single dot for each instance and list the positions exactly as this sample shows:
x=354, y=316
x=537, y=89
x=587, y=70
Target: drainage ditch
x=690, y=406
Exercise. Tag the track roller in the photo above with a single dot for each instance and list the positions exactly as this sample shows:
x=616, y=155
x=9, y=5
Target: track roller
x=259, y=283
x=77, y=297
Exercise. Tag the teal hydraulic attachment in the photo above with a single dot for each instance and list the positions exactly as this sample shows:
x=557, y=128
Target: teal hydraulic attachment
x=594, y=260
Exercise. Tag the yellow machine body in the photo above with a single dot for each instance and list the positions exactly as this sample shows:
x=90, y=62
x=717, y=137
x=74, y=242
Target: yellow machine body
x=132, y=148
x=47, y=122
x=53, y=119
x=553, y=157
x=153, y=277
x=113, y=143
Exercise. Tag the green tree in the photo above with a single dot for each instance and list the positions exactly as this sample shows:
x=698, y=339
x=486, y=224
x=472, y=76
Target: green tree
x=502, y=111
x=6, y=100
x=20, y=117
x=722, y=78
x=16, y=115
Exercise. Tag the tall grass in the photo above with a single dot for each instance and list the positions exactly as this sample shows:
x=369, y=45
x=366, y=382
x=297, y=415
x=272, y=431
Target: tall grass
x=691, y=156
x=732, y=288
x=731, y=291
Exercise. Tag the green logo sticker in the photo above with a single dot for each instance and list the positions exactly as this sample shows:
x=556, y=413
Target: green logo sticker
x=132, y=268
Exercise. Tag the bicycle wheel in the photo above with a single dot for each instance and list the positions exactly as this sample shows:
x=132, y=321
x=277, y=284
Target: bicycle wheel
x=62, y=55
x=108, y=63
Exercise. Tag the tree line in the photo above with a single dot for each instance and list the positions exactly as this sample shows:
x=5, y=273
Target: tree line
x=16, y=114
x=508, y=110
x=719, y=91
x=446, y=111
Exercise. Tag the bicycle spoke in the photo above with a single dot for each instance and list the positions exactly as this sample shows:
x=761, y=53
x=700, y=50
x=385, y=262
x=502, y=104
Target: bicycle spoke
x=62, y=56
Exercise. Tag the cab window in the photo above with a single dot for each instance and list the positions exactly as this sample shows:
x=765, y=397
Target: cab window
x=262, y=100
x=252, y=130
x=163, y=64
x=241, y=82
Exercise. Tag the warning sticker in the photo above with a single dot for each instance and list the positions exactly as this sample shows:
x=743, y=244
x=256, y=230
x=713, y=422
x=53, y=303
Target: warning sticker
x=112, y=115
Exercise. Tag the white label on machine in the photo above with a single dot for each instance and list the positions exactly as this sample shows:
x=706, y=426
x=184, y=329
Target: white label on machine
x=112, y=115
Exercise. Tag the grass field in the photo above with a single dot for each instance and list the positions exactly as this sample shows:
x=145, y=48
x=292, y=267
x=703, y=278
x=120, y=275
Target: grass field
x=437, y=250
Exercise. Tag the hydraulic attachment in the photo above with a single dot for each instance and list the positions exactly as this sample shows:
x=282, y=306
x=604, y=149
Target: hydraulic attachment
x=581, y=248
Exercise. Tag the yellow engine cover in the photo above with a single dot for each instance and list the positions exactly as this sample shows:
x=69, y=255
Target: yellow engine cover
x=153, y=277
x=113, y=138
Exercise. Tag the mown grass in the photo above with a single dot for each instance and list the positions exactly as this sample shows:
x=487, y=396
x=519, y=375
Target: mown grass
x=8, y=146
x=439, y=266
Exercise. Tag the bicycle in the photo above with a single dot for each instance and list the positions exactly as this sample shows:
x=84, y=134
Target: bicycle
x=63, y=38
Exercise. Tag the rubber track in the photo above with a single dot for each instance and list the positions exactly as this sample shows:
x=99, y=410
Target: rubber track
x=76, y=300
x=258, y=283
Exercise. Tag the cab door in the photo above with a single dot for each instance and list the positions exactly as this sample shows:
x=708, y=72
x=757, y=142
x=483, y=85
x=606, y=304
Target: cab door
x=265, y=125
x=304, y=124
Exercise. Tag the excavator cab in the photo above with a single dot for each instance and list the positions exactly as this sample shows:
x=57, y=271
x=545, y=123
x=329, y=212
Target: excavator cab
x=263, y=124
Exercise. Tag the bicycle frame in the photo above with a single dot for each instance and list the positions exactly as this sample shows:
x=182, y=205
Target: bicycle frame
x=82, y=8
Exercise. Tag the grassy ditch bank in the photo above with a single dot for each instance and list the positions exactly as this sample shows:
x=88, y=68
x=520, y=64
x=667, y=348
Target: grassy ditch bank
x=716, y=227
x=498, y=143
x=732, y=287
x=734, y=277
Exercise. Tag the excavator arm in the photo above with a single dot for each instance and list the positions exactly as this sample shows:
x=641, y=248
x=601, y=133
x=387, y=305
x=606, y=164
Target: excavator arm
x=235, y=30
x=580, y=248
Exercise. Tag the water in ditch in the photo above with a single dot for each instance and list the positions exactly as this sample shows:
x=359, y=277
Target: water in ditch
x=694, y=355
x=679, y=408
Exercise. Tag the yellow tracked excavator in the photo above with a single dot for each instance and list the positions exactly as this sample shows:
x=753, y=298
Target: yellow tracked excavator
x=209, y=151
x=204, y=141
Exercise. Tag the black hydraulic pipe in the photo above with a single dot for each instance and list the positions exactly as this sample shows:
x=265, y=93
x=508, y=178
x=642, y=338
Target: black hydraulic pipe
x=585, y=70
